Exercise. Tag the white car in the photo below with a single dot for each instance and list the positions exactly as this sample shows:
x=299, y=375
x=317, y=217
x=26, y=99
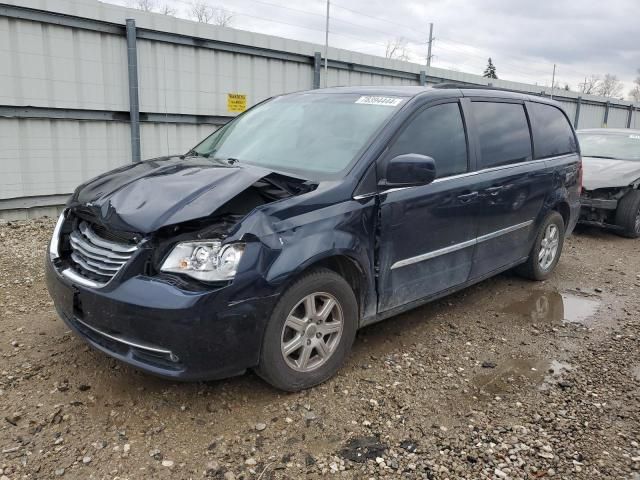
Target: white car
x=611, y=179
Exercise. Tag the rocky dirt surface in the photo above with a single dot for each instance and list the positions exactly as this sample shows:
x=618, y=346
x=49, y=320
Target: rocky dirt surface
x=507, y=379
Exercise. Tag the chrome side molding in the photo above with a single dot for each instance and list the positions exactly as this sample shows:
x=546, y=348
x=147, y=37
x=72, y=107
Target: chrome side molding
x=459, y=246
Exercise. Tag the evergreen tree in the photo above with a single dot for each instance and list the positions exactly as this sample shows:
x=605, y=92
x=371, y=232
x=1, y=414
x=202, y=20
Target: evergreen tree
x=490, y=71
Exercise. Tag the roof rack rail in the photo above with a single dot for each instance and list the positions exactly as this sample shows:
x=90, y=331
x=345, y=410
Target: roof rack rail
x=470, y=86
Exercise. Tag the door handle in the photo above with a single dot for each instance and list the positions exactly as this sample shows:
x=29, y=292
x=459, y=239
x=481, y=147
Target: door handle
x=467, y=197
x=493, y=190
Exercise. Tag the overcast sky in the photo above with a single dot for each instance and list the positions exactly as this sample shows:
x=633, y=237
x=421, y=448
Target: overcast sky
x=523, y=37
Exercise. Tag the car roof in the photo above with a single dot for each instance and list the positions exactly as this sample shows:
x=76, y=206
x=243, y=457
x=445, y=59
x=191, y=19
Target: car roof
x=609, y=130
x=439, y=90
x=396, y=91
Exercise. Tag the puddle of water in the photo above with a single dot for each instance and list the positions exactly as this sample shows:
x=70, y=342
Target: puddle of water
x=510, y=375
x=553, y=307
x=579, y=309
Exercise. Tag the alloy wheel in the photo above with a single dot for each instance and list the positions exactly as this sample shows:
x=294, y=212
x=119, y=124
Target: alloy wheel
x=549, y=246
x=312, y=331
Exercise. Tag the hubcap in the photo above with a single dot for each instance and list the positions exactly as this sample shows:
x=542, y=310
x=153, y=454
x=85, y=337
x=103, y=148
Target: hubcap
x=549, y=247
x=638, y=222
x=312, y=332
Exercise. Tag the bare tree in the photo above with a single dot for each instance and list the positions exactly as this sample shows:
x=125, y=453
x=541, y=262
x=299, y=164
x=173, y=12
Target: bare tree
x=397, y=49
x=222, y=17
x=202, y=12
x=144, y=5
x=610, y=86
x=590, y=85
x=167, y=9
x=634, y=93
x=152, y=6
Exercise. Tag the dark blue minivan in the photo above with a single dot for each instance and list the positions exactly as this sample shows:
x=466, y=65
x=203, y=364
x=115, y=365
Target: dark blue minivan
x=307, y=217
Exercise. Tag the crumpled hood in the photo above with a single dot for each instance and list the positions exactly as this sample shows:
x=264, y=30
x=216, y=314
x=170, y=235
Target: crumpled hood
x=608, y=173
x=145, y=196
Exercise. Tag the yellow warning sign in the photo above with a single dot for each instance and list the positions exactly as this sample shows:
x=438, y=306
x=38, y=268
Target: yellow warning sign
x=236, y=102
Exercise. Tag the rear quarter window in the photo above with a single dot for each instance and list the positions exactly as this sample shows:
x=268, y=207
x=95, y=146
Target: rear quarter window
x=552, y=133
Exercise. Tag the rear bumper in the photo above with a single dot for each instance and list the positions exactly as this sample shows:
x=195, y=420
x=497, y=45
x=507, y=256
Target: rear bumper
x=159, y=328
x=574, y=215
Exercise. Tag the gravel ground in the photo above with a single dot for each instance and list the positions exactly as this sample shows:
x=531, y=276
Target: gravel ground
x=507, y=379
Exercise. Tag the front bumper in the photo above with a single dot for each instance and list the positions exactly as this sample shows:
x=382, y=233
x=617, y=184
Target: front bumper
x=599, y=203
x=156, y=326
x=598, y=212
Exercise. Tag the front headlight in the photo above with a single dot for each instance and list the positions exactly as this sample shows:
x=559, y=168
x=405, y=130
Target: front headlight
x=205, y=260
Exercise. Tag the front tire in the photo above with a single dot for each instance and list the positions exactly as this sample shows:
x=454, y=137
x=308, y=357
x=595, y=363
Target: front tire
x=628, y=214
x=546, y=250
x=310, y=332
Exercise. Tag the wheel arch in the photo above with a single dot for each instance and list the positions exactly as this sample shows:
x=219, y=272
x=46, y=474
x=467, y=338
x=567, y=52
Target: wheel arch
x=346, y=265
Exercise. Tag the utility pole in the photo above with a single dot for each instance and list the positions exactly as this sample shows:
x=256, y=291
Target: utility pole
x=326, y=47
x=553, y=80
x=430, y=43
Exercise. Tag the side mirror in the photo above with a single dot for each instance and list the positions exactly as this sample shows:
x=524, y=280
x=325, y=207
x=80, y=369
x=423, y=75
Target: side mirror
x=409, y=170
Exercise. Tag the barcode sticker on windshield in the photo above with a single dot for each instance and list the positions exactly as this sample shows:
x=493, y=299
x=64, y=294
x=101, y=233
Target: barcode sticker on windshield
x=386, y=101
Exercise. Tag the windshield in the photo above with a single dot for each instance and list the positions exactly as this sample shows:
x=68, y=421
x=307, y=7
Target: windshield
x=619, y=146
x=313, y=135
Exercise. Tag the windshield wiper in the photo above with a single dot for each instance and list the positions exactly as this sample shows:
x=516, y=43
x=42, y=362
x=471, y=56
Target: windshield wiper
x=228, y=160
x=193, y=153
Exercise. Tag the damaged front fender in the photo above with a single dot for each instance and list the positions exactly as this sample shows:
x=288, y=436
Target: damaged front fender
x=313, y=237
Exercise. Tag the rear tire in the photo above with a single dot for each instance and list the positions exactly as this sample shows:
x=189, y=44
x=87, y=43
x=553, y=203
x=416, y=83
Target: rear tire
x=628, y=215
x=310, y=332
x=546, y=251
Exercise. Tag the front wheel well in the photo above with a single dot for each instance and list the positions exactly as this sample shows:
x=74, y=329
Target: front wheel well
x=348, y=269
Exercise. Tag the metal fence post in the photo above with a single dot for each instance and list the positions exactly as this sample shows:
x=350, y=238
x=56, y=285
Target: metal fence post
x=577, y=118
x=423, y=78
x=134, y=102
x=606, y=114
x=629, y=115
x=317, y=65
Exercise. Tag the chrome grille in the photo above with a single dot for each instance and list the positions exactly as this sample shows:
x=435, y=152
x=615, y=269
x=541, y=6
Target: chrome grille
x=95, y=257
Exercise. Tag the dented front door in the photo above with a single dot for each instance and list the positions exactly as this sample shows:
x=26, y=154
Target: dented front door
x=427, y=238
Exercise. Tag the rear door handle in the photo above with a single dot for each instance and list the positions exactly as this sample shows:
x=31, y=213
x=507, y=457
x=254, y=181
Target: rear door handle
x=493, y=190
x=467, y=197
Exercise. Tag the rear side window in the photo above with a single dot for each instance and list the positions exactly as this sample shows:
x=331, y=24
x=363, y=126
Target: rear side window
x=437, y=132
x=503, y=133
x=552, y=134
